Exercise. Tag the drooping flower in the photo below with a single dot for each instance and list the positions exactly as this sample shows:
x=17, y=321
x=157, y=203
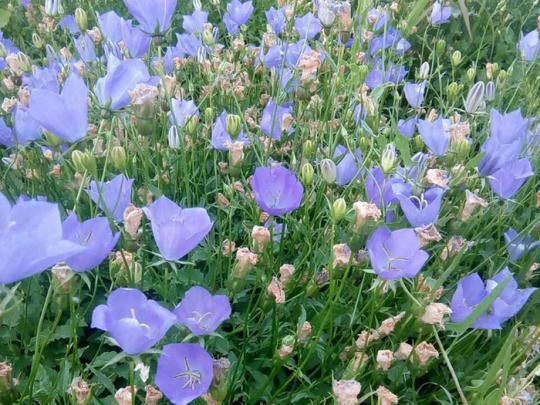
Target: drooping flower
x=113, y=196
x=195, y=22
x=133, y=321
x=440, y=14
x=420, y=210
x=348, y=165
x=436, y=134
x=95, y=234
x=276, y=19
x=507, y=181
x=221, y=138
x=31, y=239
x=517, y=245
x=64, y=115
x=184, y=372
x=308, y=26
x=276, y=119
x=277, y=190
x=201, y=311
x=177, y=231
x=153, y=15
x=414, y=93
x=182, y=111
x=395, y=254
x=472, y=290
x=346, y=391
x=529, y=45
x=237, y=14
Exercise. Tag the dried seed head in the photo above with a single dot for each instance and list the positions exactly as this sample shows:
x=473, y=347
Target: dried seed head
x=425, y=352
x=434, y=314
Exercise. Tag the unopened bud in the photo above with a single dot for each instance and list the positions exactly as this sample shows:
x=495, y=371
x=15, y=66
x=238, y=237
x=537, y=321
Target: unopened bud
x=471, y=74
x=490, y=91
x=172, y=138
x=502, y=76
x=328, y=170
x=24, y=62
x=389, y=158
x=118, y=157
x=233, y=125
x=306, y=173
x=453, y=90
x=36, y=40
x=456, y=58
x=440, y=46
x=208, y=37
x=191, y=124
x=81, y=19
x=209, y=114
x=52, y=7
x=475, y=97
x=338, y=209
x=423, y=74
x=308, y=147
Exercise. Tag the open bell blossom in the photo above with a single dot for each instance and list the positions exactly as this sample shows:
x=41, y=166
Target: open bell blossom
x=184, y=372
x=472, y=290
x=31, y=239
x=195, y=22
x=414, y=93
x=529, y=45
x=420, y=210
x=133, y=321
x=517, y=245
x=308, y=26
x=436, y=134
x=154, y=16
x=112, y=196
x=201, y=311
x=95, y=234
x=177, y=231
x=276, y=120
x=440, y=14
x=182, y=111
x=277, y=190
x=348, y=165
x=237, y=14
x=277, y=19
x=221, y=139
x=507, y=181
x=395, y=254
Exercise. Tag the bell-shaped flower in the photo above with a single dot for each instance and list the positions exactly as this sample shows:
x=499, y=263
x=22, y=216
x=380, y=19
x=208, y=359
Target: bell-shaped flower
x=201, y=311
x=436, y=134
x=529, y=45
x=184, y=372
x=154, y=16
x=277, y=190
x=414, y=93
x=182, y=111
x=277, y=120
x=133, y=321
x=85, y=48
x=348, y=165
x=95, y=234
x=26, y=128
x=472, y=290
x=113, y=196
x=378, y=189
x=407, y=127
x=65, y=115
x=507, y=181
x=31, y=239
x=395, y=254
x=517, y=245
x=177, y=231
x=308, y=26
x=237, y=14
x=221, y=138
x=277, y=19
x=440, y=14
x=195, y=22
x=420, y=210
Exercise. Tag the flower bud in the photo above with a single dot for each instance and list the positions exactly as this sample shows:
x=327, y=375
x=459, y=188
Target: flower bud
x=440, y=46
x=308, y=147
x=471, y=74
x=79, y=390
x=191, y=124
x=502, y=76
x=209, y=114
x=363, y=71
x=306, y=173
x=3, y=51
x=245, y=261
x=338, y=209
x=37, y=41
x=287, y=347
x=490, y=91
x=389, y=158
x=208, y=37
x=423, y=74
x=24, y=62
x=233, y=125
x=456, y=58
x=81, y=19
x=118, y=157
x=453, y=91
x=475, y=97
x=328, y=170
x=172, y=138
x=52, y=7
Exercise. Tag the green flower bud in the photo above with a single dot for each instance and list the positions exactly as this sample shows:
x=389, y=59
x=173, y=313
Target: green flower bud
x=81, y=19
x=208, y=37
x=495, y=69
x=191, y=124
x=233, y=125
x=338, y=209
x=389, y=158
x=456, y=58
x=462, y=148
x=440, y=46
x=418, y=142
x=328, y=170
x=3, y=51
x=475, y=97
x=365, y=143
x=308, y=147
x=77, y=160
x=363, y=70
x=423, y=73
x=209, y=114
x=118, y=157
x=306, y=173
x=37, y=41
x=51, y=139
x=471, y=74
x=503, y=75
x=453, y=90
x=24, y=62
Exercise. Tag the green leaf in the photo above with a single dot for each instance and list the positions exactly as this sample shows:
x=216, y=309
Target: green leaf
x=4, y=17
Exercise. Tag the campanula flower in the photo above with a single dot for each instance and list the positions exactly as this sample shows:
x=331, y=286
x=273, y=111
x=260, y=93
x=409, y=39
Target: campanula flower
x=414, y=93
x=529, y=45
x=153, y=15
x=348, y=165
x=517, y=245
x=182, y=111
x=31, y=239
x=436, y=134
x=420, y=210
x=378, y=17
x=378, y=189
x=136, y=41
x=177, y=231
x=276, y=119
x=507, y=181
x=308, y=26
x=221, y=138
x=382, y=73
x=201, y=311
x=43, y=78
x=440, y=14
x=395, y=254
x=237, y=14
x=195, y=22
x=109, y=24
x=85, y=47
x=277, y=190
x=119, y=31
x=6, y=134
x=68, y=23
x=133, y=321
x=472, y=290
x=407, y=127
x=95, y=234
x=184, y=372
x=276, y=19
x=391, y=38
x=64, y=115
x=113, y=196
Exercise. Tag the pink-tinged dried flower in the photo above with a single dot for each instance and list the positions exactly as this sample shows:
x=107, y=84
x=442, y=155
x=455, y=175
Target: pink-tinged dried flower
x=8, y=83
x=305, y=331
x=346, y=391
x=432, y=115
x=437, y=177
x=79, y=390
x=24, y=96
x=5, y=374
x=237, y=186
x=385, y=359
x=403, y=352
x=359, y=360
x=95, y=34
x=236, y=153
x=434, y=314
x=209, y=399
x=222, y=201
x=365, y=338
x=124, y=396
x=223, y=167
x=285, y=351
x=365, y=211
x=425, y=352
x=472, y=201
x=228, y=247
x=276, y=291
x=308, y=64
x=342, y=255
x=530, y=273
x=426, y=234
x=260, y=236
x=9, y=104
x=322, y=277
x=388, y=325
x=385, y=396
x=459, y=131
x=454, y=245
x=245, y=261
x=153, y=395
x=143, y=94
x=132, y=220
x=286, y=272
x=62, y=276
x=56, y=171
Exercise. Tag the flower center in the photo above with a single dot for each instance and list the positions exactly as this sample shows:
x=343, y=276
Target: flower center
x=193, y=377
x=200, y=318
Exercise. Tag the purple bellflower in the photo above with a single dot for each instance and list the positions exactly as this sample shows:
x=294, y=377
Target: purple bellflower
x=277, y=190
x=378, y=16
x=184, y=372
x=420, y=210
x=6, y=134
x=392, y=38
x=182, y=111
x=517, y=245
x=414, y=93
x=348, y=165
x=201, y=311
x=85, y=47
x=382, y=73
x=31, y=239
x=65, y=115
x=276, y=19
x=378, y=189
x=472, y=290
x=221, y=138
x=308, y=26
x=116, y=30
x=195, y=22
x=68, y=23
x=436, y=134
x=529, y=45
x=153, y=15
x=407, y=127
x=177, y=231
x=133, y=321
x=274, y=120
x=112, y=196
x=440, y=14
x=237, y=14
x=507, y=181
x=395, y=254
x=95, y=234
